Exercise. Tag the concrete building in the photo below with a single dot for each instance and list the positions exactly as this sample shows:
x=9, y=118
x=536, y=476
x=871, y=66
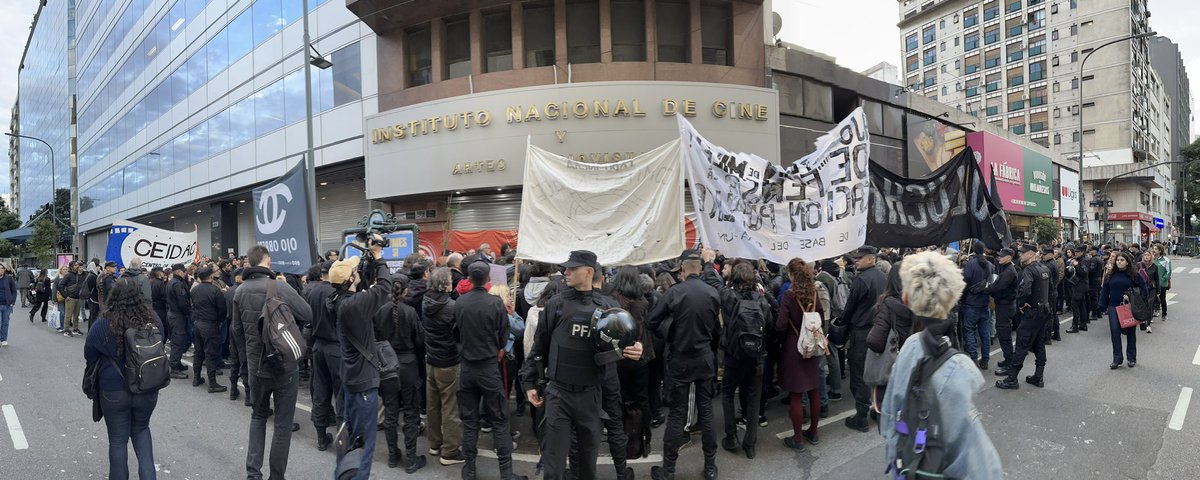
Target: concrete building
x=885, y=72
x=1016, y=64
x=14, y=161
x=1167, y=62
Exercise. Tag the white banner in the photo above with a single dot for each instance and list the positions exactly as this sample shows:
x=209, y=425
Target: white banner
x=750, y=208
x=157, y=247
x=628, y=212
x=1068, y=195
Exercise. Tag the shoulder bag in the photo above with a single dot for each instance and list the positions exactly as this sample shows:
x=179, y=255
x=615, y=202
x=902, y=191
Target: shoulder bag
x=878, y=367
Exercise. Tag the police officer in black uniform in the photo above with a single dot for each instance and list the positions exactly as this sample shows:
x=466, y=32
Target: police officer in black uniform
x=1048, y=261
x=1003, y=292
x=209, y=311
x=1033, y=307
x=1077, y=290
x=688, y=317
x=179, y=308
x=563, y=344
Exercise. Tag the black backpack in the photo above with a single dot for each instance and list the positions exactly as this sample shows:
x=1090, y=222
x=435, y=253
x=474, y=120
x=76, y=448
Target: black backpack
x=283, y=345
x=746, y=330
x=921, y=448
x=146, y=366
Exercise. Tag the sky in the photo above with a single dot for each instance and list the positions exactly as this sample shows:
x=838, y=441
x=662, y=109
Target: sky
x=15, y=18
x=862, y=33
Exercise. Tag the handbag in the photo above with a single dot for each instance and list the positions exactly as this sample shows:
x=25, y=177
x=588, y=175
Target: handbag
x=1125, y=316
x=878, y=367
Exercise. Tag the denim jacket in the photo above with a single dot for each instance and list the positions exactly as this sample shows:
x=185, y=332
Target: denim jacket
x=970, y=451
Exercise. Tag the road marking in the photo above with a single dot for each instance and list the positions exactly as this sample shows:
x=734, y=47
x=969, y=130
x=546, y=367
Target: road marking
x=14, y=428
x=1195, y=270
x=1170, y=299
x=828, y=421
x=299, y=405
x=1180, y=269
x=1181, y=406
x=1196, y=359
x=600, y=460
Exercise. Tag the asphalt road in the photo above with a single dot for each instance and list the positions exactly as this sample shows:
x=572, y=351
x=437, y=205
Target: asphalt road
x=1088, y=423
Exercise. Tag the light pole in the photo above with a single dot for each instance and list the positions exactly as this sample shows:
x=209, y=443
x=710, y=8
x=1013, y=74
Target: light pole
x=310, y=163
x=53, y=178
x=1080, y=107
x=1104, y=193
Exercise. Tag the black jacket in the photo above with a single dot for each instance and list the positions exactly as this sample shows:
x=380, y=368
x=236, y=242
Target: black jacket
x=416, y=293
x=208, y=304
x=247, y=308
x=441, y=333
x=864, y=292
x=976, y=272
x=355, y=320
x=158, y=296
x=179, y=297
x=890, y=314
x=70, y=285
x=483, y=325
x=324, y=323
x=403, y=333
x=730, y=299
x=104, y=286
x=456, y=276
x=687, y=317
x=1004, y=288
x=1095, y=269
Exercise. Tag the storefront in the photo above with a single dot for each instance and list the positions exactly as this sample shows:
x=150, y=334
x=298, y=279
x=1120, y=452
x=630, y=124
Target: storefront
x=460, y=161
x=1022, y=177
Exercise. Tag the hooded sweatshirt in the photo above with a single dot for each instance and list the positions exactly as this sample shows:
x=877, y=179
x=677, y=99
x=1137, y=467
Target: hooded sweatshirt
x=143, y=282
x=441, y=333
x=530, y=294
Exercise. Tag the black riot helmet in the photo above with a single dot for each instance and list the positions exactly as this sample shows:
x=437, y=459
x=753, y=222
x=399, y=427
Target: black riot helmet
x=612, y=331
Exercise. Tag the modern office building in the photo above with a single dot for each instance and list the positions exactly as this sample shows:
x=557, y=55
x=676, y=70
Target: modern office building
x=1016, y=64
x=884, y=71
x=184, y=106
x=1167, y=62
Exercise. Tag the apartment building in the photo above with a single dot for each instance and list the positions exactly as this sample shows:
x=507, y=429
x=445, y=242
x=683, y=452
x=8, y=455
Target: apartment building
x=1167, y=62
x=1015, y=64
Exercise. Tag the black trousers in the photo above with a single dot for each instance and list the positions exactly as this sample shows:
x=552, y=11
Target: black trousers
x=635, y=396
x=1031, y=336
x=43, y=305
x=570, y=412
x=745, y=375
x=208, y=348
x=1004, y=328
x=327, y=384
x=613, y=419
x=675, y=436
x=480, y=393
x=399, y=396
x=179, y=340
x=856, y=351
x=1079, y=312
x=655, y=376
x=1094, y=300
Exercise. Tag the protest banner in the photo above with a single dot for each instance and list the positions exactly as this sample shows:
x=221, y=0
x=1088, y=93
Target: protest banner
x=628, y=212
x=283, y=223
x=952, y=203
x=156, y=247
x=750, y=208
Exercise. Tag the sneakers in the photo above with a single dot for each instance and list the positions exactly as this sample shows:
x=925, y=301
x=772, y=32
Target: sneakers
x=1149, y=330
x=811, y=438
x=835, y=396
x=791, y=443
x=434, y=451
x=452, y=459
x=4, y=343
x=179, y=374
x=762, y=420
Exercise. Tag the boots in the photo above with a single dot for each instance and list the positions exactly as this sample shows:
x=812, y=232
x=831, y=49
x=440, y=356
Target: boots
x=324, y=439
x=415, y=462
x=710, y=469
x=623, y=470
x=1009, y=382
x=506, y=470
x=394, y=456
x=214, y=387
x=233, y=390
x=1036, y=378
x=468, y=471
x=983, y=364
x=660, y=473
x=197, y=380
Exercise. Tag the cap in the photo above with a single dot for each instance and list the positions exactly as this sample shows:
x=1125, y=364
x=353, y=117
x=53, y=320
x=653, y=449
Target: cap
x=479, y=271
x=110, y=264
x=581, y=258
x=690, y=254
x=342, y=270
x=203, y=273
x=1047, y=250
x=1005, y=252
x=864, y=250
x=1029, y=248
x=178, y=267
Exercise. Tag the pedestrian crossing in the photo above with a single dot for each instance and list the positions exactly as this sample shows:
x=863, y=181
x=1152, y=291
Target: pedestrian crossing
x=1182, y=270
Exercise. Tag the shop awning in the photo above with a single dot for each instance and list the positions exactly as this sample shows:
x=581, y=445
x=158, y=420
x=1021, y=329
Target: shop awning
x=17, y=235
x=1148, y=227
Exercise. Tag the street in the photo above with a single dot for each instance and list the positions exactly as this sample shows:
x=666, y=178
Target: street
x=1089, y=422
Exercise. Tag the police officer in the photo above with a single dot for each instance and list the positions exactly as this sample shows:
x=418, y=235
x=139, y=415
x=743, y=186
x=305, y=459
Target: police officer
x=1003, y=293
x=209, y=310
x=179, y=309
x=687, y=316
x=1033, y=290
x=326, y=355
x=1077, y=290
x=563, y=343
x=1049, y=260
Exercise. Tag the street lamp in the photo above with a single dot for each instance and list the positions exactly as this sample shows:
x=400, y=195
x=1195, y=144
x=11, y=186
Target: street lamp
x=53, y=178
x=1080, y=107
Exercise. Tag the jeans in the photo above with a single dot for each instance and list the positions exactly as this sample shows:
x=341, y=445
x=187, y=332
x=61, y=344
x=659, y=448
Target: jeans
x=1115, y=330
x=262, y=390
x=362, y=418
x=127, y=417
x=976, y=321
x=5, y=314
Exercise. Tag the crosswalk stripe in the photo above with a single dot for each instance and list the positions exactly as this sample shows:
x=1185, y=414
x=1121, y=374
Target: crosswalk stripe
x=14, y=428
x=1180, y=269
x=1195, y=270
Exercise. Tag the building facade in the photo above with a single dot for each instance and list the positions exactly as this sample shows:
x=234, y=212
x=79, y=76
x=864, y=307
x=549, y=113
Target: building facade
x=1015, y=64
x=44, y=85
x=1167, y=62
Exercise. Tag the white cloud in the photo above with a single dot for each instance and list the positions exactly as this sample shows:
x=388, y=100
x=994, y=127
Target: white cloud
x=859, y=33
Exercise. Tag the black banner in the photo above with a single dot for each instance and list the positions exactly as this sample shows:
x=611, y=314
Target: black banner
x=951, y=204
x=283, y=223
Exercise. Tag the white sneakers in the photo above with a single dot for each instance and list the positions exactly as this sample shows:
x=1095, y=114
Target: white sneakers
x=4, y=343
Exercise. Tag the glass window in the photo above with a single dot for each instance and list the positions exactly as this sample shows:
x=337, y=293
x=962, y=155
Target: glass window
x=497, y=41
x=179, y=83
x=192, y=8
x=177, y=18
x=970, y=20
x=583, y=31
x=218, y=132
x=674, y=33
x=268, y=109
x=629, y=31
x=346, y=75
x=323, y=89
x=538, y=19
x=420, y=63
x=241, y=38
x=268, y=19
x=971, y=42
x=458, y=47
x=241, y=122
x=716, y=25
x=180, y=154
x=910, y=42
x=216, y=53
x=293, y=97
x=928, y=35
x=292, y=10
x=991, y=36
x=198, y=143
x=1037, y=71
x=197, y=72
x=930, y=57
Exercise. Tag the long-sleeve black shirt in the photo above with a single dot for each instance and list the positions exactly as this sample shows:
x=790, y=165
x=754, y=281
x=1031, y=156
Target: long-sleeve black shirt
x=1003, y=289
x=864, y=292
x=687, y=316
x=403, y=332
x=483, y=325
x=179, y=297
x=209, y=305
x=355, y=315
x=324, y=324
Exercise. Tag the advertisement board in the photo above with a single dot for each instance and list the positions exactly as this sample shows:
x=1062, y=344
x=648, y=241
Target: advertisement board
x=1023, y=176
x=931, y=144
x=1068, y=193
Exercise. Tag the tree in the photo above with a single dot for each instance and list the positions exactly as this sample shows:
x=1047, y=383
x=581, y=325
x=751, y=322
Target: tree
x=1191, y=187
x=1045, y=229
x=62, y=209
x=7, y=249
x=44, y=241
x=8, y=218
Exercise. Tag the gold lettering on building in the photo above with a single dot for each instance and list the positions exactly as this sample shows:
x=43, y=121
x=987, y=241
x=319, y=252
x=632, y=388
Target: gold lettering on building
x=601, y=108
x=479, y=166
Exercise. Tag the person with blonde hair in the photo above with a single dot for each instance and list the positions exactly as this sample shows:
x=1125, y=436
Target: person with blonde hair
x=935, y=383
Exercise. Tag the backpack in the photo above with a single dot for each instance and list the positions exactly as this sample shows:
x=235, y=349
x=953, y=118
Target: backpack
x=146, y=366
x=838, y=297
x=746, y=331
x=811, y=340
x=283, y=345
x=920, y=447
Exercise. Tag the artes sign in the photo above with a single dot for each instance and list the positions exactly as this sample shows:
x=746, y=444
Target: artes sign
x=156, y=247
